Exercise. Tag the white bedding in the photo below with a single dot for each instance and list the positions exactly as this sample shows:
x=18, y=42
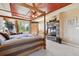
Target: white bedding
x=20, y=36
x=21, y=39
x=15, y=40
x=2, y=39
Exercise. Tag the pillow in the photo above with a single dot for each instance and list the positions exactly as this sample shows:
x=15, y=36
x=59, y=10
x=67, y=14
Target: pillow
x=5, y=35
x=27, y=35
x=2, y=39
x=14, y=36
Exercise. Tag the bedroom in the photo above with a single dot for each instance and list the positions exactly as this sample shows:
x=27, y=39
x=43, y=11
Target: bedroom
x=17, y=30
x=27, y=27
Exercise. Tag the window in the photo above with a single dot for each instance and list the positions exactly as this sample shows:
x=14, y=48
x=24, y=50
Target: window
x=10, y=25
x=24, y=26
x=2, y=25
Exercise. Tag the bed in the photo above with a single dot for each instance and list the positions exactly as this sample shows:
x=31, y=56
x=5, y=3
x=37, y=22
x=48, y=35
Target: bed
x=20, y=46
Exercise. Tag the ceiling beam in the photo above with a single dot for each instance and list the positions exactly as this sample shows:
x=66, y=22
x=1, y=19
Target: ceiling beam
x=30, y=7
x=47, y=13
x=39, y=16
x=13, y=17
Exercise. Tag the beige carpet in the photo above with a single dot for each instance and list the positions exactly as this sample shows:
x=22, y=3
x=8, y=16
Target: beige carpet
x=56, y=49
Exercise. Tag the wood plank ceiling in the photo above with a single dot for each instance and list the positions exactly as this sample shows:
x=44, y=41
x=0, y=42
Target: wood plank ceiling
x=38, y=9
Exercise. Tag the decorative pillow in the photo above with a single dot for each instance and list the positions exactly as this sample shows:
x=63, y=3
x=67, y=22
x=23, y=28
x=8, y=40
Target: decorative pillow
x=5, y=35
x=2, y=39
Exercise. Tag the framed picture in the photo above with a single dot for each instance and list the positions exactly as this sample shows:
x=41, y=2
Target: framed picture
x=73, y=22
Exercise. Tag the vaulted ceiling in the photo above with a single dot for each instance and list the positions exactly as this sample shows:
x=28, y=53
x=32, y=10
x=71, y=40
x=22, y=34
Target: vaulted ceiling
x=38, y=9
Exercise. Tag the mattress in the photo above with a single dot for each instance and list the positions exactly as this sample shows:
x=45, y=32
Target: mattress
x=22, y=39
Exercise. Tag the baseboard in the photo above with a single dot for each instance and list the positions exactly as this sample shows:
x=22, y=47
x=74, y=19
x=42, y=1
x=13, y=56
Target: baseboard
x=71, y=44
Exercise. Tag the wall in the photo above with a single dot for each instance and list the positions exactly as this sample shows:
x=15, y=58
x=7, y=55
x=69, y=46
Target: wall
x=69, y=22
x=70, y=26
x=41, y=27
x=2, y=26
x=5, y=6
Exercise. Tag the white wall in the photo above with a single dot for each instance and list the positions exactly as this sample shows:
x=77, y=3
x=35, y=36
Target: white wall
x=2, y=26
x=71, y=29
x=5, y=6
x=41, y=26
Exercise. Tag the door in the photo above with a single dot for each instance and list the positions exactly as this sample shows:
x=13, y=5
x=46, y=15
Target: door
x=34, y=28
